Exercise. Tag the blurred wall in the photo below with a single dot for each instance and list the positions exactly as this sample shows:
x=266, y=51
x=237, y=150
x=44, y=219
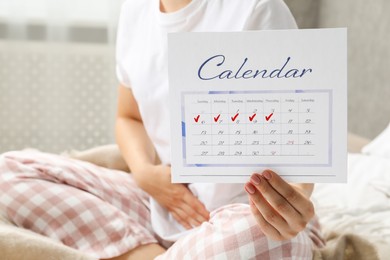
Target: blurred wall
x=56, y=96
x=57, y=74
x=368, y=24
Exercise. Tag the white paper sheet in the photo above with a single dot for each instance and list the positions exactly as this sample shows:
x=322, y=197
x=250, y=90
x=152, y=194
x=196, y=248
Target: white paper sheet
x=242, y=102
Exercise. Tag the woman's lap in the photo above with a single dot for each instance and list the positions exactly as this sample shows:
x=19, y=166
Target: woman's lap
x=103, y=213
x=232, y=233
x=98, y=211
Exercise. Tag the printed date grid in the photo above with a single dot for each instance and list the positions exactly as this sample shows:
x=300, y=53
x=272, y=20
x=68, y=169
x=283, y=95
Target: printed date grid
x=257, y=127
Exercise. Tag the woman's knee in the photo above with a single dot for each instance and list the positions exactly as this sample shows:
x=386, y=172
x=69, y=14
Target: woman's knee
x=233, y=233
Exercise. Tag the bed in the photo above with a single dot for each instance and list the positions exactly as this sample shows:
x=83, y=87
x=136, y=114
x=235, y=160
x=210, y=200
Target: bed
x=355, y=216
x=359, y=209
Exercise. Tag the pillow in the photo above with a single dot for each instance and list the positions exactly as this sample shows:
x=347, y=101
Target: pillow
x=380, y=146
x=108, y=156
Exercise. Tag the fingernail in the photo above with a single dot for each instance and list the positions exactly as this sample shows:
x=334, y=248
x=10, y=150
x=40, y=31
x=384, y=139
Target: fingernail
x=267, y=175
x=255, y=179
x=249, y=188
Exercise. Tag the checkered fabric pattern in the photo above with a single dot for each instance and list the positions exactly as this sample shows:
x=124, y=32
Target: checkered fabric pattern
x=98, y=211
x=104, y=214
x=232, y=233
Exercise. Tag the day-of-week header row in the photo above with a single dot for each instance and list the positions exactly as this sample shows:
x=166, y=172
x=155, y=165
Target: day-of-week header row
x=224, y=101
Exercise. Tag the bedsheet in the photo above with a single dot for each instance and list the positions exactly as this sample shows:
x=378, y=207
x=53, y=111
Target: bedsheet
x=361, y=206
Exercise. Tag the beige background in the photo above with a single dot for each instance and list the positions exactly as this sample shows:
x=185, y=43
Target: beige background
x=368, y=24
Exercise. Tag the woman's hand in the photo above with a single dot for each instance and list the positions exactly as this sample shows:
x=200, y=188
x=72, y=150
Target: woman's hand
x=176, y=198
x=282, y=210
x=141, y=157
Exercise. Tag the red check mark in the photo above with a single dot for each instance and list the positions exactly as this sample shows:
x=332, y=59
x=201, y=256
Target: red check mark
x=196, y=118
x=234, y=117
x=268, y=117
x=252, y=117
x=216, y=118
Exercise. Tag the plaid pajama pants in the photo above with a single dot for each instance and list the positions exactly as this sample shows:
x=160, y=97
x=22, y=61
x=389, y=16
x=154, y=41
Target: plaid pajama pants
x=104, y=214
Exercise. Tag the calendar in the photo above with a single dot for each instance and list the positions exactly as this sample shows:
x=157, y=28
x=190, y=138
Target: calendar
x=232, y=115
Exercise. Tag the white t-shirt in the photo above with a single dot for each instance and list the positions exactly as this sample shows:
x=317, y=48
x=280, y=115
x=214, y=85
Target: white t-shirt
x=142, y=65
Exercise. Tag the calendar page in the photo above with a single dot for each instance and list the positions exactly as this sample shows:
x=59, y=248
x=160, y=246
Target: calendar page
x=244, y=102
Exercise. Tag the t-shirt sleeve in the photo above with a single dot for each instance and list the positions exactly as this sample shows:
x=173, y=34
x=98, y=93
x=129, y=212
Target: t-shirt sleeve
x=270, y=15
x=122, y=45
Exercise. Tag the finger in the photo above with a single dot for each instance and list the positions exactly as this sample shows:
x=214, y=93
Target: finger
x=193, y=217
x=267, y=229
x=183, y=211
x=278, y=202
x=180, y=217
x=295, y=198
x=266, y=210
x=194, y=202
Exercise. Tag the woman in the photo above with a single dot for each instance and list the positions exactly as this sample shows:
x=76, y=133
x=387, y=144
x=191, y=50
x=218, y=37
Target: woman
x=281, y=210
x=107, y=214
